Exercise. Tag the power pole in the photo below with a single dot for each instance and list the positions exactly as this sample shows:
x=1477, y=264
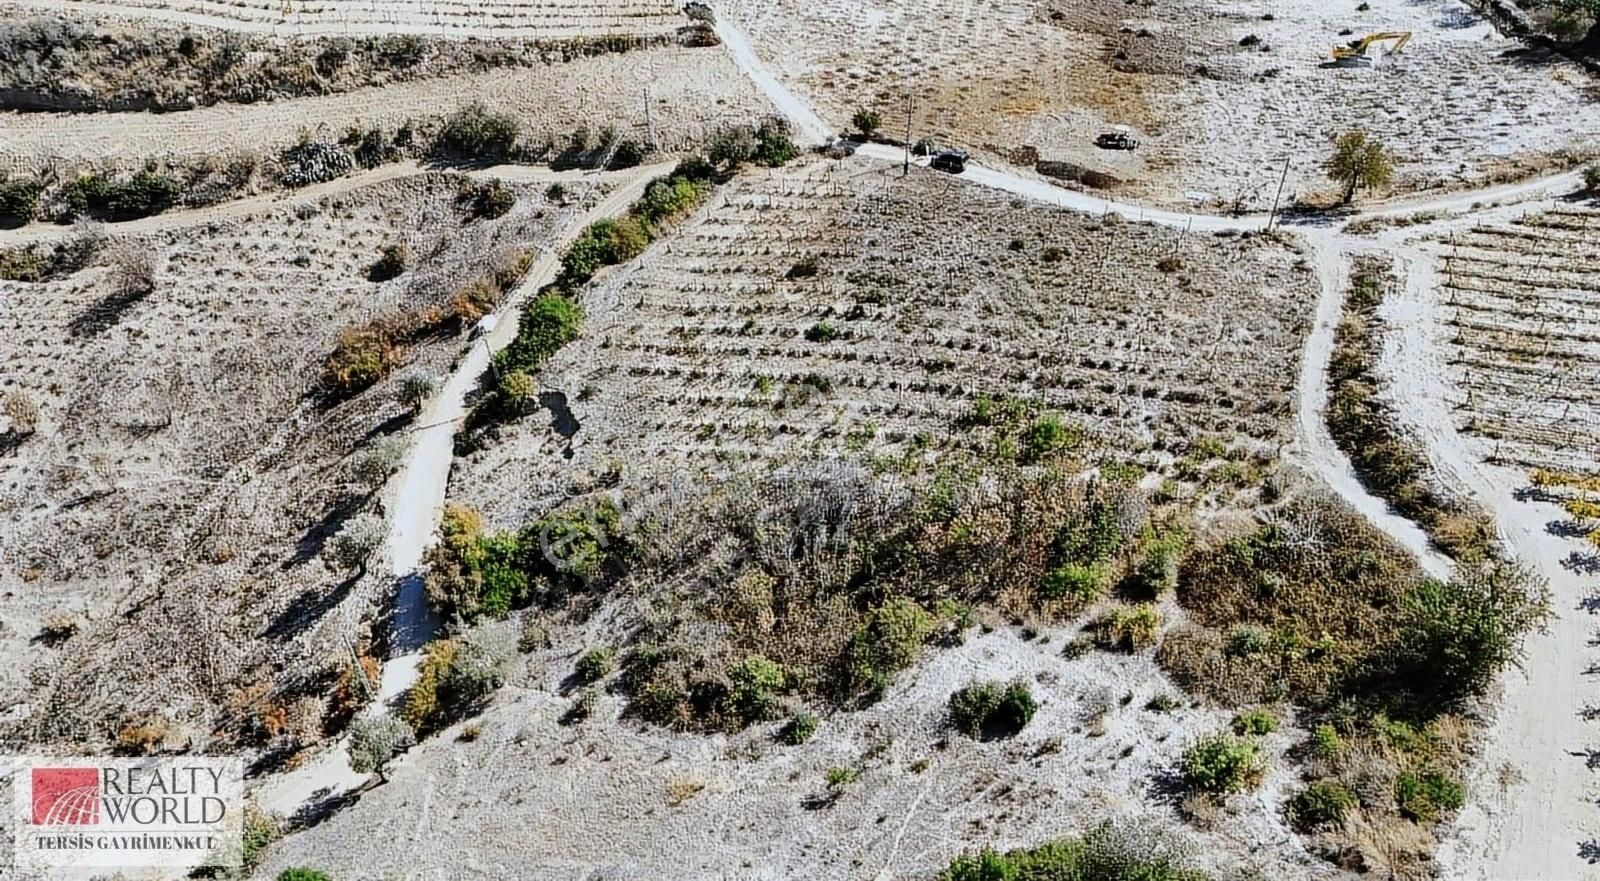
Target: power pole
x=906, y=168
x=1281, y=178
x=649, y=122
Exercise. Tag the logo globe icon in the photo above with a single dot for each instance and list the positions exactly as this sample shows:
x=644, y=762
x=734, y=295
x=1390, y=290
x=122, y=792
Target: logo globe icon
x=75, y=807
x=66, y=797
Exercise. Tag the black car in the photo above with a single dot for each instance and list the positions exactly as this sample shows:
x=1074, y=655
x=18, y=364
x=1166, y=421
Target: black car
x=953, y=161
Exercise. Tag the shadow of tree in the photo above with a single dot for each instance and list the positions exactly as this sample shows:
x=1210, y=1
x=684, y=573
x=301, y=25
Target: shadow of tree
x=312, y=540
x=106, y=312
x=307, y=609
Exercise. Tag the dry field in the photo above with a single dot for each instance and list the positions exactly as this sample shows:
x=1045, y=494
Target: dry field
x=611, y=799
x=503, y=18
x=705, y=354
x=172, y=507
x=1522, y=301
x=1216, y=118
x=692, y=91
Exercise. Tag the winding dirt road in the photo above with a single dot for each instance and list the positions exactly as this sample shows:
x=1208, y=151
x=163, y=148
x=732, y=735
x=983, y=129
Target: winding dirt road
x=1531, y=809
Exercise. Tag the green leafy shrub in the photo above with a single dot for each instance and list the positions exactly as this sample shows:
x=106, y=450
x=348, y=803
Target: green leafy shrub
x=775, y=144
x=1455, y=638
x=992, y=710
x=374, y=740
x=1424, y=796
x=302, y=874
x=475, y=134
x=493, y=199
x=596, y=664
x=1326, y=743
x=1322, y=803
x=1128, y=628
x=97, y=196
x=866, y=121
x=548, y=323
x=1221, y=764
x=1104, y=854
x=799, y=729
x=841, y=776
x=1257, y=721
x=753, y=694
x=1591, y=179
x=822, y=332
x=888, y=641
x=1078, y=582
x=517, y=391
x=1050, y=435
x=19, y=199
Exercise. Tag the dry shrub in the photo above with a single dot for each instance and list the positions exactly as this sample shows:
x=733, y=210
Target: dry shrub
x=21, y=412
x=353, y=689
x=682, y=789
x=145, y=736
x=363, y=355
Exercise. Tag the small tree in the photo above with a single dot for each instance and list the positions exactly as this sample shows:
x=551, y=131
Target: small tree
x=1591, y=180
x=414, y=390
x=374, y=740
x=1359, y=160
x=866, y=121
x=358, y=541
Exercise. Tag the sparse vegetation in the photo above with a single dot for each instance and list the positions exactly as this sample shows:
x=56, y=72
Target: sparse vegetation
x=1367, y=430
x=1321, y=803
x=866, y=121
x=477, y=134
x=1105, y=854
x=393, y=259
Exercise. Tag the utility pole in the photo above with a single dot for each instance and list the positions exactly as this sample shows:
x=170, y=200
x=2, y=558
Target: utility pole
x=1281, y=178
x=649, y=122
x=905, y=170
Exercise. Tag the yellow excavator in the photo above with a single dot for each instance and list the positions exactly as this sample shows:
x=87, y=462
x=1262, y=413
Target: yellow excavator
x=1356, y=50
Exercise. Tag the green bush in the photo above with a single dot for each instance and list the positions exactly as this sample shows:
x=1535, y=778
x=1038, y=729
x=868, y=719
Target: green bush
x=1591, y=179
x=517, y=391
x=888, y=641
x=1424, y=796
x=1222, y=764
x=866, y=121
x=1075, y=581
x=548, y=323
x=1050, y=435
x=301, y=874
x=822, y=332
x=1101, y=855
x=775, y=145
x=753, y=696
x=1455, y=638
x=98, y=196
x=596, y=664
x=992, y=710
x=841, y=776
x=1326, y=743
x=799, y=729
x=19, y=199
x=1128, y=628
x=1323, y=803
x=1257, y=721
x=475, y=134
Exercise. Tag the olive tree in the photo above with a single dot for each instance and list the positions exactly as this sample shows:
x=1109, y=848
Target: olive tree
x=374, y=740
x=358, y=541
x=1359, y=160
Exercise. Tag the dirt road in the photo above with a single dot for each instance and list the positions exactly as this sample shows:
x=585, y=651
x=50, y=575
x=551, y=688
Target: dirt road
x=418, y=500
x=1531, y=811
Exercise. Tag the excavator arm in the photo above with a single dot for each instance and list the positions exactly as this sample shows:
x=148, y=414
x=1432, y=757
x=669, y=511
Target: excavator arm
x=1358, y=49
